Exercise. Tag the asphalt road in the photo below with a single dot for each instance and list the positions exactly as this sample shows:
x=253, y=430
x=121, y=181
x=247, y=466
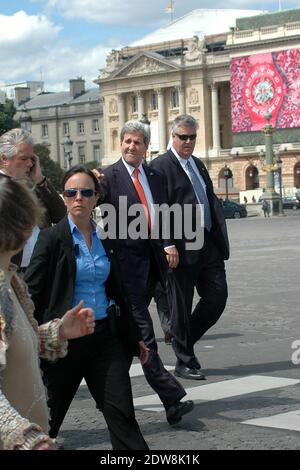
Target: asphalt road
x=247, y=357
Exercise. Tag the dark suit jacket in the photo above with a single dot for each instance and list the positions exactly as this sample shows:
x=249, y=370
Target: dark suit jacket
x=53, y=204
x=135, y=254
x=51, y=278
x=180, y=190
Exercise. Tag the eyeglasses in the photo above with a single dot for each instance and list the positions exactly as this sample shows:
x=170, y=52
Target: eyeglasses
x=85, y=192
x=186, y=137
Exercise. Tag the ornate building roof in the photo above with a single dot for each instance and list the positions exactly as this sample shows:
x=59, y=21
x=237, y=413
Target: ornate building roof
x=200, y=22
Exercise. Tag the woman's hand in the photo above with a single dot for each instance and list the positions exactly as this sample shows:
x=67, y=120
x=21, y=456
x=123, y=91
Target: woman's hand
x=45, y=446
x=77, y=322
x=144, y=352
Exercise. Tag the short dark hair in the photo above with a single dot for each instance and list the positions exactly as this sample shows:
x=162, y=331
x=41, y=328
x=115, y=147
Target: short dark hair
x=81, y=169
x=20, y=211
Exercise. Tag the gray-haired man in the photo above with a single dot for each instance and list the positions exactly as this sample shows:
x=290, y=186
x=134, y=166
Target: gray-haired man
x=17, y=160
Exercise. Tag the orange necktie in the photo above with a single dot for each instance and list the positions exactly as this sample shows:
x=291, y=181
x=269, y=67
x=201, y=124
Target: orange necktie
x=140, y=191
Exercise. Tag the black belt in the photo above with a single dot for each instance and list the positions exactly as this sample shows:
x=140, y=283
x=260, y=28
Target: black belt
x=101, y=325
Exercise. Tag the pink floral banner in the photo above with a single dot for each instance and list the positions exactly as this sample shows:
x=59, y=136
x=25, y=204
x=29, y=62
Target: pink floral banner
x=264, y=83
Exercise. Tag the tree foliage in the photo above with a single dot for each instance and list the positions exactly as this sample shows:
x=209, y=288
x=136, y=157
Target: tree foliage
x=50, y=168
x=7, y=112
x=92, y=165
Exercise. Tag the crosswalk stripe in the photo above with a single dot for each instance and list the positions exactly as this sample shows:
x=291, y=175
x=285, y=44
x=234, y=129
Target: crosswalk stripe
x=290, y=421
x=220, y=390
x=135, y=371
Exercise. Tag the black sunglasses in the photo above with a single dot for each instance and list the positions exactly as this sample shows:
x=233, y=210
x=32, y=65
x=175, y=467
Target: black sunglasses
x=186, y=137
x=85, y=192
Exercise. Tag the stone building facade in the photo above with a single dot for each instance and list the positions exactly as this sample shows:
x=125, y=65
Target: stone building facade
x=192, y=75
x=75, y=115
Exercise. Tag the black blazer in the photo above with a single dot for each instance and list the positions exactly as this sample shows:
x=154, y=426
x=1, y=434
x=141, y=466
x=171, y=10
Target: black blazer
x=135, y=254
x=180, y=190
x=53, y=204
x=51, y=275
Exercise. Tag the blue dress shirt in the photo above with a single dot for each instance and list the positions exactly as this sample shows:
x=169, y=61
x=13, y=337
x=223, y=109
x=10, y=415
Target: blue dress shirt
x=92, y=270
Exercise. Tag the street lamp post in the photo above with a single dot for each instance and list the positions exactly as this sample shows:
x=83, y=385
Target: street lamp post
x=278, y=163
x=226, y=173
x=25, y=119
x=269, y=167
x=144, y=120
x=68, y=145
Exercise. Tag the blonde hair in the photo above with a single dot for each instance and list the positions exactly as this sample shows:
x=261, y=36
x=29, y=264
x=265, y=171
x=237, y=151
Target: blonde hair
x=20, y=211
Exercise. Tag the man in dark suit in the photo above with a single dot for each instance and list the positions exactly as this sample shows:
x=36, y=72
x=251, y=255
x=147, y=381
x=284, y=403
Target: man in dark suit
x=143, y=260
x=17, y=160
x=188, y=184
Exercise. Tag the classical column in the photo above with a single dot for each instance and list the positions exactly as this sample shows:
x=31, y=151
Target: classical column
x=161, y=120
x=141, y=104
x=215, y=116
x=181, y=93
x=121, y=109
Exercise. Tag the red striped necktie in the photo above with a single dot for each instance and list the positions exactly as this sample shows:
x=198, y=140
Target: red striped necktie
x=141, y=193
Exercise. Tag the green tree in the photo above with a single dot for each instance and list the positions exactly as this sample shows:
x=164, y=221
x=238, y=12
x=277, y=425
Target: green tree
x=7, y=112
x=50, y=168
x=92, y=165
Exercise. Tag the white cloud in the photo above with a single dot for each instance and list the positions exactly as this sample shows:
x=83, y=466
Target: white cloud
x=66, y=63
x=30, y=48
x=121, y=12
x=24, y=28
x=139, y=12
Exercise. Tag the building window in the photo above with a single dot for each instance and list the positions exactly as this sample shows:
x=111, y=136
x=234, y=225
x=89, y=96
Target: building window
x=174, y=98
x=221, y=131
x=44, y=130
x=81, y=155
x=134, y=104
x=66, y=128
x=80, y=127
x=154, y=102
x=115, y=140
x=96, y=153
x=95, y=125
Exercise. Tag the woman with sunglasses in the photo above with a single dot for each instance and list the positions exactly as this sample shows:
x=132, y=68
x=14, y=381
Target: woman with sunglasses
x=23, y=408
x=70, y=262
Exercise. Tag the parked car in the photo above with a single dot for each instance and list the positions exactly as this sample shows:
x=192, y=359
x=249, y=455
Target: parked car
x=234, y=210
x=290, y=203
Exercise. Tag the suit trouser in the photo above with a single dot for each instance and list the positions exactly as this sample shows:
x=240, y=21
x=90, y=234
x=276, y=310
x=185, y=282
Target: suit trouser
x=102, y=361
x=162, y=381
x=209, y=277
x=163, y=308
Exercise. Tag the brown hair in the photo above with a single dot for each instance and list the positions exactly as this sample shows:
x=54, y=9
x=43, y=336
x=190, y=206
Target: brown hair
x=20, y=211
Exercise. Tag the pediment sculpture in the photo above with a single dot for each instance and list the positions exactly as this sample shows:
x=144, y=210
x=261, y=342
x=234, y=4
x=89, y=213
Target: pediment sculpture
x=196, y=50
x=145, y=65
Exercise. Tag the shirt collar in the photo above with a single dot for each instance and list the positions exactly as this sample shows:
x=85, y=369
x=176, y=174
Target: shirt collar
x=182, y=161
x=74, y=228
x=131, y=168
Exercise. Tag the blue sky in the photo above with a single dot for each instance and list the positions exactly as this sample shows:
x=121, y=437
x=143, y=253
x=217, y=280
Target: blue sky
x=61, y=39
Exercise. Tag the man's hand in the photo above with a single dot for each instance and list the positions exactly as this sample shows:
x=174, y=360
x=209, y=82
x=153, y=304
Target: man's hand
x=36, y=174
x=98, y=175
x=144, y=352
x=172, y=256
x=77, y=322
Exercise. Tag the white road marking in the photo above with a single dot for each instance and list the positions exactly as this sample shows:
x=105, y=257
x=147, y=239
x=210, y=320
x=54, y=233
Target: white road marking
x=135, y=371
x=219, y=390
x=290, y=421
